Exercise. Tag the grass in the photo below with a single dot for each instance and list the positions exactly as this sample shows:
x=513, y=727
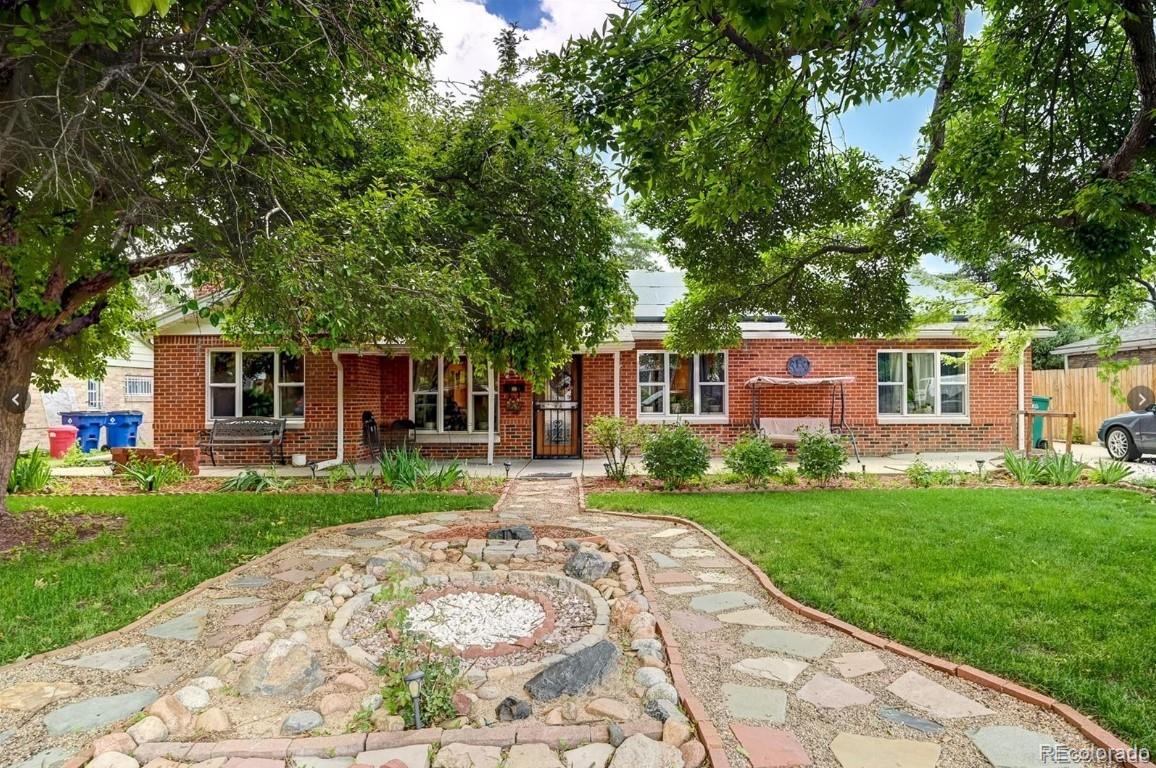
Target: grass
x=1053, y=589
x=166, y=546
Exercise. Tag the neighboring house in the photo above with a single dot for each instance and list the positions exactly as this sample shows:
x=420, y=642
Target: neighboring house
x=126, y=386
x=907, y=395
x=1137, y=342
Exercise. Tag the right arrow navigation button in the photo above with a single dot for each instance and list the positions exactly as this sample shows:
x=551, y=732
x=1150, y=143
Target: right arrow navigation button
x=1140, y=399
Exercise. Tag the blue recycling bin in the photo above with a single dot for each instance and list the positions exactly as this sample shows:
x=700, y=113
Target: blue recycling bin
x=88, y=425
x=121, y=427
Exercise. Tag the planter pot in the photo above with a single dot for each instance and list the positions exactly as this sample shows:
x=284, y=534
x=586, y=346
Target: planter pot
x=298, y=460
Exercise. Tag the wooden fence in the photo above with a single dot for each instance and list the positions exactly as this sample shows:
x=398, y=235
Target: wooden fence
x=1082, y=391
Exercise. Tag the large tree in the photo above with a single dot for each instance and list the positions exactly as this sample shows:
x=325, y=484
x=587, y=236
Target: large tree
x=288, y=154
x=1034, y=173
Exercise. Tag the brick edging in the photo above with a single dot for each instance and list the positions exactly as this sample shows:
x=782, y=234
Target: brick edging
x=715, y=750
x=1093, y=732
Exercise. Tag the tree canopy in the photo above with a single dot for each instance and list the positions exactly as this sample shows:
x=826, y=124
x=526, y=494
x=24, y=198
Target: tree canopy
x=291, y=155
x=1034, y=173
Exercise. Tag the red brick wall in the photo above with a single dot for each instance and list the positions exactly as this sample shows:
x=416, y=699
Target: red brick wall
x=381, y=385
x=992, y=395
x=179, y=402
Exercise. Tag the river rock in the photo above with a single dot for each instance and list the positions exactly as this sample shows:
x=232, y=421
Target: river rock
x=513, y=708
x=640, y=751
x=285, y=669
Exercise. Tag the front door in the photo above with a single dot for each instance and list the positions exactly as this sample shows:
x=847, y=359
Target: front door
x=558, y=414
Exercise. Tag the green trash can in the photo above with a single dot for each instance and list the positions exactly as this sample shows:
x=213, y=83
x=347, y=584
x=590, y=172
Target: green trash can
x=1039, y=403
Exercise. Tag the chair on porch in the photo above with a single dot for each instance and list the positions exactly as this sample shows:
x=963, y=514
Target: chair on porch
x=398, y=436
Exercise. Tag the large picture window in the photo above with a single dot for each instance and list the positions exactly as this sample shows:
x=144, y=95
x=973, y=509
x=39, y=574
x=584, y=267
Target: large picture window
x=256, y=384
x=675, y=385
x=922, y=384
x=451, y=394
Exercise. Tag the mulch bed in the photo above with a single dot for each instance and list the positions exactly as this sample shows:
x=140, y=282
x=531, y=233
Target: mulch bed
x=41, y=530
x=479, y=531
x=119, y=486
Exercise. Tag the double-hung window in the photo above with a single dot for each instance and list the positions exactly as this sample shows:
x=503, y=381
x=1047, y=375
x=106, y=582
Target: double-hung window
x=265, y=383
x=95, y=391
x=922, y=384
x=451, y=394
x=673, y=385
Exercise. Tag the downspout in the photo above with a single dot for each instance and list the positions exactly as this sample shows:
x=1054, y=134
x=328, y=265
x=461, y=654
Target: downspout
x=340, y=458
x=1020, y=419
x=493, y=404
x=617, y=383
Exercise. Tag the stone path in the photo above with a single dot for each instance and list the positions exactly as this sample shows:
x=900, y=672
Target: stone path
x=781, y=690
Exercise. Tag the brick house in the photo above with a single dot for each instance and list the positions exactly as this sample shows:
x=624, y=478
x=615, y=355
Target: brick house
x=1137, y=343
x=907, y=395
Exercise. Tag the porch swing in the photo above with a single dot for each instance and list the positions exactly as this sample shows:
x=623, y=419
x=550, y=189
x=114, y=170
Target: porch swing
x=786, y=429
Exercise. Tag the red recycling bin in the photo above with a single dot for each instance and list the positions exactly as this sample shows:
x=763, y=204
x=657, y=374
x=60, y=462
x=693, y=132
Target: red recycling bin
x=60, y=439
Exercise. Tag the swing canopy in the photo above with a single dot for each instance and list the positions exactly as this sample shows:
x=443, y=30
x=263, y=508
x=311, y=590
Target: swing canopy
x=786, y=430
x=802, y=381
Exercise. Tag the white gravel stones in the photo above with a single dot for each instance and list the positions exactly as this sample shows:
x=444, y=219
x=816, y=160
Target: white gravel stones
x=469, y=618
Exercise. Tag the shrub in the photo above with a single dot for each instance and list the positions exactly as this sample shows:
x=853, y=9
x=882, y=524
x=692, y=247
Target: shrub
x=1061, y=469
x=252, y=481
x=821, y=456
x=403, y=468
x=152, y=475
x=1024, y=470
x=788, y=476
x=676, y=455
x=1110, y=473
x=618, y=440
x=945, y=477
x=754, y=458
x=919, y=473
x=1078, y=436
x=31, y=473
x=74, y=457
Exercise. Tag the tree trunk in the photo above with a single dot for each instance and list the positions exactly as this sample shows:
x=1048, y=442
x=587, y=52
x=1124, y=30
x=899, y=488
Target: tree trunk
x=16, y=362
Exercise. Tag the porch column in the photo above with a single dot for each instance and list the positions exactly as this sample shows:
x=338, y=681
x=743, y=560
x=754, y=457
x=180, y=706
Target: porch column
x=493, y=403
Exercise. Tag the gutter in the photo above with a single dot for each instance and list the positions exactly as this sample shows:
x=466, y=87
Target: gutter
x=340, y=458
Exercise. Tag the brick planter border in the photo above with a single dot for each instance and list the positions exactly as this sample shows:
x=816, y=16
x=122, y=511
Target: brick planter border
x=1093, y=732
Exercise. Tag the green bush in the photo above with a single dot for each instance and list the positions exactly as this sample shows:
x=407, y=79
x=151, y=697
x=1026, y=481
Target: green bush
x=253, y=481
x=821, y=456
x=31, y=473
x=754, y=458
x=618, y=440
x=74, y=457
x=1061, y=469
x=919, y=473
x=1024, y=470
x=153, y=474
x=788, y=476
x=675, y=455
x=403, y=469
x=1110, y=473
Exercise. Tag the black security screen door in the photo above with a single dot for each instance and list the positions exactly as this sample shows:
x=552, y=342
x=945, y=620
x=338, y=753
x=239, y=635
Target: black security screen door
x=558, y=414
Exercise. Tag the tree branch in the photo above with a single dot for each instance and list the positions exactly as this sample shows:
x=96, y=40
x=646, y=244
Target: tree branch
x=1137, y=26
x=76, y=324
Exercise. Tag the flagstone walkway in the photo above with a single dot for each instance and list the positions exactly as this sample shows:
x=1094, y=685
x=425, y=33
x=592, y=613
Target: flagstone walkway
x=781, y=690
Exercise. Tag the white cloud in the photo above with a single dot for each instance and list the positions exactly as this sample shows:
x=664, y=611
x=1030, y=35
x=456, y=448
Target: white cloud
x=468, y=31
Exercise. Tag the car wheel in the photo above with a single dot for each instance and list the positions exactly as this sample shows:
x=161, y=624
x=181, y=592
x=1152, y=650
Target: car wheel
x=1120, y=445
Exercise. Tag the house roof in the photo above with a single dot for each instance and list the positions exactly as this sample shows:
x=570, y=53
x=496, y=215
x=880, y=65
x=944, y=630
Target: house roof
x=1140, y=336
x=657, y=291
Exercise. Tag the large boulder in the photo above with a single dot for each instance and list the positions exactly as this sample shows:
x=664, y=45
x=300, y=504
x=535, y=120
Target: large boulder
x=587, y=565
x=574, y=674
x=285, y=669
x=512, y=533
x=640, y=751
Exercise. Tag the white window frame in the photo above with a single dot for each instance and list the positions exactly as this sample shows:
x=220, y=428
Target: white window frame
x=696, y=387
x=94, y=392
x=938, y=417
x=439, y=429
x=138, y=387
x=293, y=422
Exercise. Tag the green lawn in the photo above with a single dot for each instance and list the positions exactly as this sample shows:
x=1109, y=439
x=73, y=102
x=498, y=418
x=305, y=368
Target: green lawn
x=166, y=546
x=1054, y=589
